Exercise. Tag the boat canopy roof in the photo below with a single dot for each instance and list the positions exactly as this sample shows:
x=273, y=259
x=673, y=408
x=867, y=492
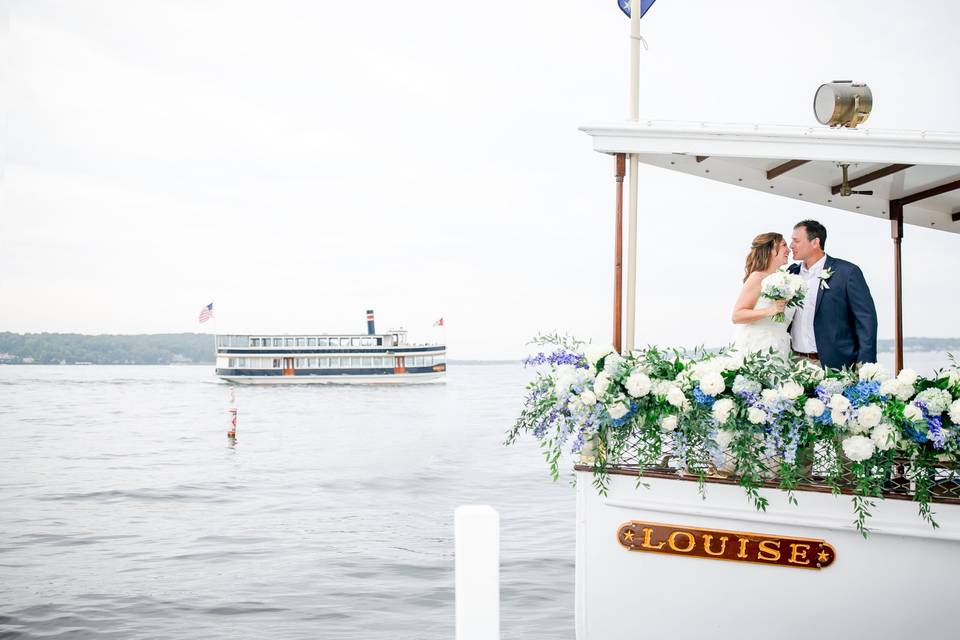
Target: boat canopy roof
x=920, y=169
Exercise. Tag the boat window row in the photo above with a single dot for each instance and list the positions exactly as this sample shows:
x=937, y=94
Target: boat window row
x=334, y=362
x=295, y=341
x=315, y=342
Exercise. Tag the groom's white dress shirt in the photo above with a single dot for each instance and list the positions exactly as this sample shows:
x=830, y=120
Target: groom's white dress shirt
x=804, y=339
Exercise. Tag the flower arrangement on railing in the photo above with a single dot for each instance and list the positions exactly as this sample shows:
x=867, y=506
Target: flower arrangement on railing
x=755, y=417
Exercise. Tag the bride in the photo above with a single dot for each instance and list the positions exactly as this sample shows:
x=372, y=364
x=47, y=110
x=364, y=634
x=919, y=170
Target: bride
x=756, y=329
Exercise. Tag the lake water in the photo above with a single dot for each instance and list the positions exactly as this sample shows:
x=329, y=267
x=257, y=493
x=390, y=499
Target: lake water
x=127, y=513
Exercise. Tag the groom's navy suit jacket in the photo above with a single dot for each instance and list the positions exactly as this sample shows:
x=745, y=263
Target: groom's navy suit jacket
x=845, y=320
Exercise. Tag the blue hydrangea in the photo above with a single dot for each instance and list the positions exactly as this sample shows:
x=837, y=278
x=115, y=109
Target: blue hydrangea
x=824, y=418
x=619, y=422
x=860, y=393
x=701, y=398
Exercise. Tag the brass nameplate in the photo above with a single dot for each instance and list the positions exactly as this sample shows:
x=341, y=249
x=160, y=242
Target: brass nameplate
x=738, y=546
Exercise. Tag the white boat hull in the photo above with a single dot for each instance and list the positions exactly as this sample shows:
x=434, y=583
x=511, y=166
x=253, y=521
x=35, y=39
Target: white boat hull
x=901, y=582
x=402, y=378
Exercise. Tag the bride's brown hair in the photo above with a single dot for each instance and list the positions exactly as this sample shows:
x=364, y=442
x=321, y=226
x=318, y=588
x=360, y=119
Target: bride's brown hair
x=761, y=250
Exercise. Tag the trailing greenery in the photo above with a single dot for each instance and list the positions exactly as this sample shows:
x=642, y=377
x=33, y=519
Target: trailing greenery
x=73, y=348
x=757, y=418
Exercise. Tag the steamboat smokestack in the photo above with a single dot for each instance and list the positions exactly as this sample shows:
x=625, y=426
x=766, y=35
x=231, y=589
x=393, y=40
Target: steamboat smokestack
x=370, y=329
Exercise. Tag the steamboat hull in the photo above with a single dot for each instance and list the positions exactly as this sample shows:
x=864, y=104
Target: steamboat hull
x=898, y=583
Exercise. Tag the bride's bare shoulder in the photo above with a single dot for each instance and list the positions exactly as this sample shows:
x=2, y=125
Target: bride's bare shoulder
x=753, y=280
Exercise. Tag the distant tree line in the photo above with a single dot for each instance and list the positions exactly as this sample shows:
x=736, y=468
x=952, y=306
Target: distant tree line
x=923, y=344
x=73, y=348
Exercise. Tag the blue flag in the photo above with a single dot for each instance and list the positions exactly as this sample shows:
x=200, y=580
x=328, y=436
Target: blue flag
x=644, y=6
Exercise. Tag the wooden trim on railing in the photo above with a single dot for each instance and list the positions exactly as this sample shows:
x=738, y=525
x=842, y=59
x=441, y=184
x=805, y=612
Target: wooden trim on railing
x=811, y=488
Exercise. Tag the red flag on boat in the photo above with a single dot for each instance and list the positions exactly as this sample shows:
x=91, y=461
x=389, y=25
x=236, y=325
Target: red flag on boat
x=438, y=323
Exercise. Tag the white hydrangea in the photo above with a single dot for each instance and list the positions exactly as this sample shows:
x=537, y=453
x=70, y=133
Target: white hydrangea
x=858, y=448
x=612, y=364
x=588, y=398
x=595, y=352
x=565, y=377
x=731, y=362
x=712, y=384
x=814, y=407
x=955, y=412
x=908, y=377
x=618, y=409
x=602, y=383
x=722, y=409
x=954, y=378
x=936, y=400
x=668, y=423
x=700, y=369
x=638, y=384
x=770, y=397
x=872, y=371
x=791, y=390
x=912, y=412
x=839, y=402
x=742, y=384
x=756, y=415
x=869, y=416
x=676, y=398
x=884, y=436
x=838, y=417
x=904, y=391
x=889, y=387
x=724, y=438
x=661, y=387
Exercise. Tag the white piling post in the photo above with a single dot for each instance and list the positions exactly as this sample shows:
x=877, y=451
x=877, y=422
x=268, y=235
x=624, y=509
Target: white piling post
x=477, y=567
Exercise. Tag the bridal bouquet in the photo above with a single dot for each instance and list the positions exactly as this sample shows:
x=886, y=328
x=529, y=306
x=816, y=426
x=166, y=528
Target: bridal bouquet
x=783, y=285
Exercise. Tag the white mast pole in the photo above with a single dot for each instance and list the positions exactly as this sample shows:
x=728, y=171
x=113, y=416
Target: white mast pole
x=631, y=302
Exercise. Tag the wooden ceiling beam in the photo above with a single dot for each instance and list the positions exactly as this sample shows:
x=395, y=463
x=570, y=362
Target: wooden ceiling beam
x=789, y=165
x=870, y=177
x=929, y=193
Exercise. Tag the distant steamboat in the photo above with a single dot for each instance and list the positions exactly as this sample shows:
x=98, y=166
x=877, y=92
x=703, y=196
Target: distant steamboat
x=328, y=358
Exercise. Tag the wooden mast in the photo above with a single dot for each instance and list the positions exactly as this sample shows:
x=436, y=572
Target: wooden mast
x=896, y=232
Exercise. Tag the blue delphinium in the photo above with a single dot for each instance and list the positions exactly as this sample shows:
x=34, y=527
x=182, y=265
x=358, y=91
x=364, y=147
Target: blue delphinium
x=556, y=358
x=716, y=453
x=827, y=388
x=793, y=437
x=937, y=436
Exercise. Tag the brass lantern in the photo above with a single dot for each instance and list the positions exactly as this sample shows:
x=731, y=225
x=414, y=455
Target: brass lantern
x=842, y=103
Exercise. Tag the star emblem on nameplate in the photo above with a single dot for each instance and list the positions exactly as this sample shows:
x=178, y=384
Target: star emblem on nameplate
x=718, y=544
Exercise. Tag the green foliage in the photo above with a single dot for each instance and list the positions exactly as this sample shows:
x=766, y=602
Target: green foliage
x=758, y=419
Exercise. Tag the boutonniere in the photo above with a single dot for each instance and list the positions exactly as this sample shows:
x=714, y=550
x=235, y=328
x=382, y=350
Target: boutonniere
x=825, y=275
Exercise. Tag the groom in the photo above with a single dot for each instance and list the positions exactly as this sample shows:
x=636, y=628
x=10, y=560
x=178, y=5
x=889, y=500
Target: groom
x=837, y=324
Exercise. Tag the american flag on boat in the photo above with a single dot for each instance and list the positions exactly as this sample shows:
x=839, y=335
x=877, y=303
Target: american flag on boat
x=206, y=313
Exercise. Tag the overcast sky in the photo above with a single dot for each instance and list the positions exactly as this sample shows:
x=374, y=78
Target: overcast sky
x=299, y=162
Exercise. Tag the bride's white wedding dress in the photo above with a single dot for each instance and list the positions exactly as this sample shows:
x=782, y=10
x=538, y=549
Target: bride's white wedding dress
x=764, y=334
